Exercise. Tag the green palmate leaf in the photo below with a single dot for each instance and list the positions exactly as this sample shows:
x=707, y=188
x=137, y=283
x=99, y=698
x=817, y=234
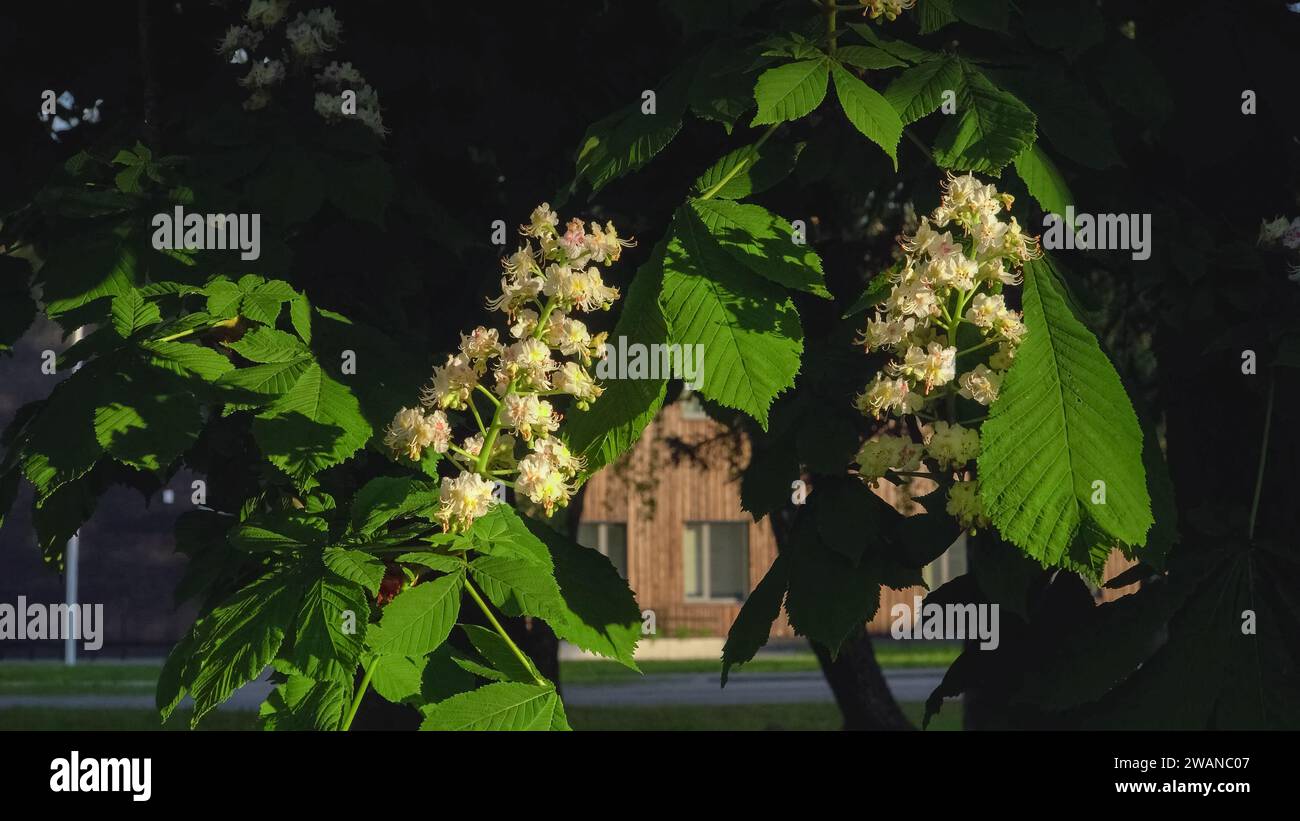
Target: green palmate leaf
x=877, y=291
x=935, y=14
x=59, y=515
x=600, y=614
x=78, y=273
x=356, y=566
x=628, y=139
x=762, y=242
x=987, y=14
x=790, y=91
x=241, y=637
x=149, y=429
x=303, y=703
x=1044, y=181
x=185, y=359
x=500, y=532
x=383, y=499
x=748, y=327
x=397, y=678
x=17, y=308
x=899, y=48
x=331, y=629
x=919, y=90
x=749, y=170
x=269, y=380
x=434, y=561
x=60, y=440
x=1061, y=424
x=130, y=313
x=614, y=422
x=300, y=317
x=990, y=130
x=500, y=655
x=499, y=706
x=753, y=624
x=867, y=57
x=418, y=619
x=267, y=345
x=281, y=530
x=316, y=424
x=829, y=597
x=869, y=112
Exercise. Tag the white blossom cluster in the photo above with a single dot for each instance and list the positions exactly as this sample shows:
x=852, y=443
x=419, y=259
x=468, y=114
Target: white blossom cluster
x=954, y=269
x=544, y=286
x=308, y=38
x=1282, y=232
x=888, y=9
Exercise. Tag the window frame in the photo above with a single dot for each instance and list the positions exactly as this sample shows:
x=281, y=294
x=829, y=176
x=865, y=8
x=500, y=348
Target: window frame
x=706, y=564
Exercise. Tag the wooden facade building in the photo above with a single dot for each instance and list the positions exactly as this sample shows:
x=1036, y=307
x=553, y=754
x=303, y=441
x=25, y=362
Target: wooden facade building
x=675, y=529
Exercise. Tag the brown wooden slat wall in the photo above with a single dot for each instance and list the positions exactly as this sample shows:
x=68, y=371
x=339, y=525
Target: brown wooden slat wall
x=655, y=497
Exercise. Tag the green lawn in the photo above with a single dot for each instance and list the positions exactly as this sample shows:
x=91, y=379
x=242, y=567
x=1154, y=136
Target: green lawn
x=891, y=655
x=53, y=678
x=732, y=717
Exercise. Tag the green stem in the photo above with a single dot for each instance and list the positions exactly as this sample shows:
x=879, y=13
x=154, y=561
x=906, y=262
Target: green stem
x=225, y=323
x=831, y=34
x=356, y=701
x=1263, y=456
x=974, y=348
x=479, y=387
x=501, y=631
x=477, y=419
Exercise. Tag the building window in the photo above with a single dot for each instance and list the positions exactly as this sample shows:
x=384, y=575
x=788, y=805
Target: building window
x=692, y=407
x=949, y=565
x=715, y=560
x=610, y=538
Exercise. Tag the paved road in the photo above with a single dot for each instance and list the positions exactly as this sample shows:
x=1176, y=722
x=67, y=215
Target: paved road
x=660, y=689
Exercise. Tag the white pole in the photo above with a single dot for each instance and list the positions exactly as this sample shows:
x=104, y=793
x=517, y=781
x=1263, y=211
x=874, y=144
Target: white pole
x=71, y=555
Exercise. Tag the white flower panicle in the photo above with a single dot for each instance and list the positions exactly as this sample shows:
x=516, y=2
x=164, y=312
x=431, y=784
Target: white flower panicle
x=308, y=38
x=553, y=277
x=948, y=332
x=888, y=9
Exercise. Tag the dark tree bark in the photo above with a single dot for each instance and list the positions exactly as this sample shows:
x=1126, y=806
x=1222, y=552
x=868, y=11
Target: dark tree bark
x=859, y=686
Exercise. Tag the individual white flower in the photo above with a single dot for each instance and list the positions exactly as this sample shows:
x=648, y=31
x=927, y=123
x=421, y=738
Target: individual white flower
x=541, y=223
x=985, y=310
x=529, y=359
x=1002, y=359
x=885, y=333
x=965, y=506
x=237, y=37
x=952, y=445
x=884, y=396
x=266, y=13
x=604, y=244
x=917, y=299
x=558, y=453
x=569, y=336
x=340, y=74
x=263, y=74
x=980, y=384
x=934, y=365
x=1270, y=232
x=411, y=431
x=480, y=345
x=888, y=9
x=451, y=385
x=306, y=39
x=877, y=456
x=517, y=289
x=541, y=480
x=1291, y=237
x=574, y=380
x=529, y=415
x=463, y=499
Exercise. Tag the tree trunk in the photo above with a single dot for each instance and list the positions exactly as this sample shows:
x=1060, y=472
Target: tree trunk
x=859, y=686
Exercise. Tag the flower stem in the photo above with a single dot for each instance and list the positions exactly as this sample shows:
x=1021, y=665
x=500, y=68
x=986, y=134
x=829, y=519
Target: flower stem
x=1263, y=455
x=479, y=387
x=356, y=701
x=501, y=631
